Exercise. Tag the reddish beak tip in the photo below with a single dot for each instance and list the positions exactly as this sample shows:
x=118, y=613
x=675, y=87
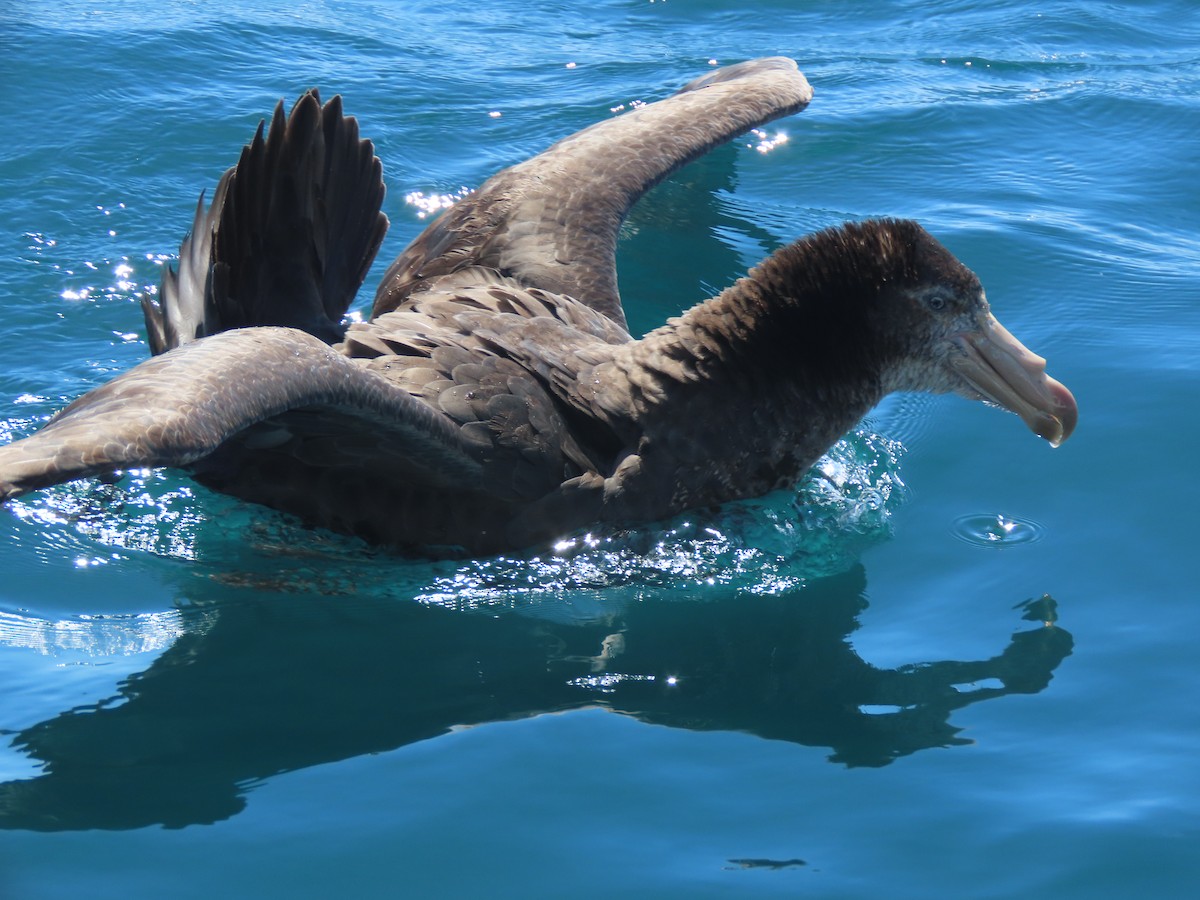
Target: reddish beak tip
x=1006, y=372
x=1066, y=411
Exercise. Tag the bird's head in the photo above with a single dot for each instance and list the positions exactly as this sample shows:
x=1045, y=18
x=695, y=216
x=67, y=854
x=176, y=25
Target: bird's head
x=933, y=313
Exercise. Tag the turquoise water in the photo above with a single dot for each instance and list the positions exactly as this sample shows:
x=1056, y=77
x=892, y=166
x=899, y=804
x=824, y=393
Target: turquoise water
x=952, y=663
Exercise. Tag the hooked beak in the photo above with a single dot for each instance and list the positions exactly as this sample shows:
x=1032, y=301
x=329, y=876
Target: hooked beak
x=1008, y=374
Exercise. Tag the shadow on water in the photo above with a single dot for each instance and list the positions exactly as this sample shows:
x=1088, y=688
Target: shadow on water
x=258, y=686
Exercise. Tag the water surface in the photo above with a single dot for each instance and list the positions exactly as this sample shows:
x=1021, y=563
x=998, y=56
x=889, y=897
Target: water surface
x=952, y=663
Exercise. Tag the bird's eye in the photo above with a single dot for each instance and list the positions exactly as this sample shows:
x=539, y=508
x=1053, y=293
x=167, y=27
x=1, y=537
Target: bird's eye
x=936, y=302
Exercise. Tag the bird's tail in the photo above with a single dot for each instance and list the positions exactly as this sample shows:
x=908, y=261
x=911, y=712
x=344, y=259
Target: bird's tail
x=289, y=237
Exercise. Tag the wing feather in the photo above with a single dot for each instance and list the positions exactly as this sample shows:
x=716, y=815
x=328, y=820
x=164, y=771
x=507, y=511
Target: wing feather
x=177, y=408
x=551, y=222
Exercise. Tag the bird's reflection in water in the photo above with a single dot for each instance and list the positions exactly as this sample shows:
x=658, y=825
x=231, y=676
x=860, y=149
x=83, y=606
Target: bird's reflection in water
x=256, y=686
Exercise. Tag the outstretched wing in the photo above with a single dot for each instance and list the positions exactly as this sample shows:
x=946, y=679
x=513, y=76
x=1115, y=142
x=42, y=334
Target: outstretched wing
x=292, y=230
x=551, y=222
x=177, y=408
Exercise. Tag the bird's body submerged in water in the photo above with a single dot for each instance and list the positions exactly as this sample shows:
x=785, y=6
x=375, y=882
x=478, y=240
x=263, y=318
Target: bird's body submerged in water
x=495, y=398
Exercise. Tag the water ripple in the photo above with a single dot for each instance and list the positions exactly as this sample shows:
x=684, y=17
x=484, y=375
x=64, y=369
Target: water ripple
x=762, y=546
x=996, y=530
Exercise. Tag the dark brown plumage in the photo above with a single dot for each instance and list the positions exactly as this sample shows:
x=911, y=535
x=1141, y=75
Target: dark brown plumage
x=495, y=398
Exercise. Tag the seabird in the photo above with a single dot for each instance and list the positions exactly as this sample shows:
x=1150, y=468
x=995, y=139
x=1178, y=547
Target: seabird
x=495, y=398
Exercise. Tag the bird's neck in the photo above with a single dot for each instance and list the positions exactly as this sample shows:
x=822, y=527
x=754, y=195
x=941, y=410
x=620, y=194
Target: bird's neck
x=796, y=328
x=763, y=378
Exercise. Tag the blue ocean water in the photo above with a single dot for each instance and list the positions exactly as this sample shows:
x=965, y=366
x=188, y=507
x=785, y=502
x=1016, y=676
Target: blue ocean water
x=952, y=663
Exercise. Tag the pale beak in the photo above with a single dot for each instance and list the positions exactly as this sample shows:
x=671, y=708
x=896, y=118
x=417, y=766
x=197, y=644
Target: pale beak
x=1008, y=374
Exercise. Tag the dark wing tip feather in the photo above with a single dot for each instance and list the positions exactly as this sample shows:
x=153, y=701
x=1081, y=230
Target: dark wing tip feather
x=289, y=237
